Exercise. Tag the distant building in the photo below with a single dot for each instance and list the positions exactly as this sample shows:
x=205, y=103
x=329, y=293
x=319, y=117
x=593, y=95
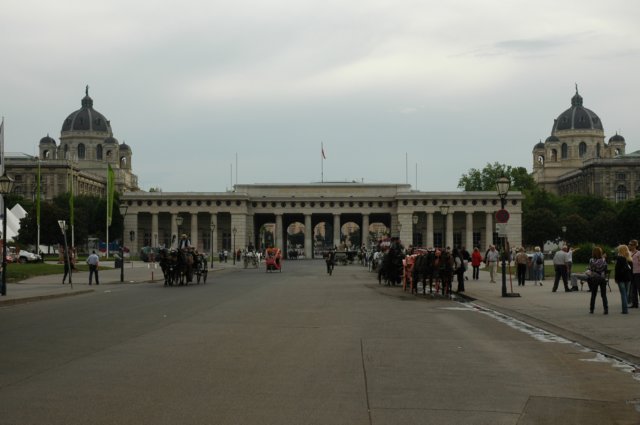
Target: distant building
x=81, y=158
x=576, y=159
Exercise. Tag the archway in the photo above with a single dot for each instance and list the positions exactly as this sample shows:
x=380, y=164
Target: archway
x=377, y=232
x=350, y=236
x=322, y=238
x=295, y=240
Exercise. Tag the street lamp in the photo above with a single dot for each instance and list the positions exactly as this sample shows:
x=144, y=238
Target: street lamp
x=234, y=245
x=6, y=184
x=123, y=212
x=444, y=210
x=63, y=229
x=212, y=226
x=178, y=223
x=564, y=234
x=502, y=187
x=414, y=219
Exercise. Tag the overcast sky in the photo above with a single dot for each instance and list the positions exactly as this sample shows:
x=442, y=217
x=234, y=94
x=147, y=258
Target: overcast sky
x=189, y=84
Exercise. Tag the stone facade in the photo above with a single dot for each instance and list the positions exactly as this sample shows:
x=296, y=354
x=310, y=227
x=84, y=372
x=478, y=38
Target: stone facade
x=79, y=162
x=416, y=217
x=575, y=159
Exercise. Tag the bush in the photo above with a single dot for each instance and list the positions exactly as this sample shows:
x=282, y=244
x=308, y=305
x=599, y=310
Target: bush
x=583, y=252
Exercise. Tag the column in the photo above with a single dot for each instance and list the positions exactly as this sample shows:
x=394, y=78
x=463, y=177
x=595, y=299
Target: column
x=154, y=229
x=429, y=230
x=449, y=237
x=251, y=227
x=488, y=231
x=194, y=230
x=174, y=230
x=405, y=225
x=469, y=231
x=336, y=229
x=308, y=237
x=365, y=231
x=214, y=241
x=279, y=232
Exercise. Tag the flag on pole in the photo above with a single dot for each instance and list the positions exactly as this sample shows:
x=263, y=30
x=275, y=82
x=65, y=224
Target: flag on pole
x=322, y=151
x=110, y=192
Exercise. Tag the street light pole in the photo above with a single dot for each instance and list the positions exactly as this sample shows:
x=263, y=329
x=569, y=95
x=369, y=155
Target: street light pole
x=6, y=184
x=213, y=229
x=63, y=228
x=234, y=245
x=414, y=219
x=502, y=186
x=123, y=212
x=444, y=210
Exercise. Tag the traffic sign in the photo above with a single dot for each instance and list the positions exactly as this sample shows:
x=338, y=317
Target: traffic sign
x=502, y=216
x=501, y=229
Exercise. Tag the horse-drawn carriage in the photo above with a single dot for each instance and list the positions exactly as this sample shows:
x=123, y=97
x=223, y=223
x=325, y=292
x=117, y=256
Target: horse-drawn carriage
x=273, y=259
x=180, y=266
x=250, y=258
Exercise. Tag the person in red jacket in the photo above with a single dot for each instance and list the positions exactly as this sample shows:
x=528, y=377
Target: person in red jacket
x=476, y=259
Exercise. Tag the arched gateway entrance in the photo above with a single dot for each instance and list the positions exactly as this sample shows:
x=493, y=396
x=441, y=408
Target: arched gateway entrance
x=309, y=218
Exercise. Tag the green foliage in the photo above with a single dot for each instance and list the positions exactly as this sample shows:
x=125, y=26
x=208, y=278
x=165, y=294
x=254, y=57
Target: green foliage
x=485, y=179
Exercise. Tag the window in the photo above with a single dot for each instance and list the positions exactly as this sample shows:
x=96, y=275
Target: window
x=457, y=239
x=582, y=149
x=437, y=239
x=598, y=150
x=81, y=151
x=621, y=193
x=564, y=151
x=620, y=176
x=554, y=155
x=99, y=152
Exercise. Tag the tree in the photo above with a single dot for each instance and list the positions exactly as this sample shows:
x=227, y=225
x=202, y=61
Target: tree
x=485, y=179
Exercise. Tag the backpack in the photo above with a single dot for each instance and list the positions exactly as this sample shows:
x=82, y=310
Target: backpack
x=539, y=260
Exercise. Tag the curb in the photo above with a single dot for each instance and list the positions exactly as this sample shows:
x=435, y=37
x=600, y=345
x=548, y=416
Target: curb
x=25, y=300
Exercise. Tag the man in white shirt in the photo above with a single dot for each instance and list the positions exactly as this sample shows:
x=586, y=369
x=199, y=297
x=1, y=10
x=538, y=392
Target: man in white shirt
x=93, y=261
x=560, y=265
x=491, y=259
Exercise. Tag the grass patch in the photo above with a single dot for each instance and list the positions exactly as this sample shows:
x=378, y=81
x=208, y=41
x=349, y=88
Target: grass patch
x=17, y=271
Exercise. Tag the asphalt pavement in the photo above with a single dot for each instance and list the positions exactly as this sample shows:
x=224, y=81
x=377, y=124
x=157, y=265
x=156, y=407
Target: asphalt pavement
x=565, y=314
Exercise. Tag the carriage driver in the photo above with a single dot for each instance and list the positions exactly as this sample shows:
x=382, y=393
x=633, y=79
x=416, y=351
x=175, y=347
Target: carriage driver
x=184, y=244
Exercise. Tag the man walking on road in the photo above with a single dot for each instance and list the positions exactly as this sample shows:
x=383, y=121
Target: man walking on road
x=93, y=261
x=560, y=266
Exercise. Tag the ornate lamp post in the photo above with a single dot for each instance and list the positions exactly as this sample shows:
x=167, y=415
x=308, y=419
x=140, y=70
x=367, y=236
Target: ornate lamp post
x=63, y=228
x=444, y=210
x=234, y=245
x=502, y=186
x=212, y=226
x=6, y=184
x=178, y=223
x=123, y=212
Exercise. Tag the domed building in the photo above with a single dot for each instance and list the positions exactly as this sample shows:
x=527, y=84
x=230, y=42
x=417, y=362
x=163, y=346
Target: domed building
x=577, y=159
x=81, y=158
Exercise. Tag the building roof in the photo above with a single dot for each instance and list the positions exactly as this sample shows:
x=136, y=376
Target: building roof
x=577, y=117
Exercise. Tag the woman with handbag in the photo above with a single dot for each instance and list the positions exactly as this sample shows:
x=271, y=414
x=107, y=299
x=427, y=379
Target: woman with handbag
x=597, y=271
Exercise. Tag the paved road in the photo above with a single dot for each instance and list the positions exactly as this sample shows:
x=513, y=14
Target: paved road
x=301, y=347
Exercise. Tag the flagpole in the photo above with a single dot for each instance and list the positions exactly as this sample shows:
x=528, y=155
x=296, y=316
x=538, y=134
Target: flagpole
x=38, y=206
x=322, y=162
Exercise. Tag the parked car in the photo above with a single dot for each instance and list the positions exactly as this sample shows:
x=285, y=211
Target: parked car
x=27, y=257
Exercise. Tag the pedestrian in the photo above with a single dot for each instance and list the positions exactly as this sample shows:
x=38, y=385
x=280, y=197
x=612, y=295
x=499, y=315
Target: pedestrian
x=458, y=268
x=491, y=260
x=537, y=262
x=476, y=259
x=623, y=274
x=522, y=260
x=330, y=259
x=560, y=267
x=570, y=252
x=93, y=261
x=225, y=253
x=597, y=280
x=67, y=269
x=635, y=283
x=466, y=258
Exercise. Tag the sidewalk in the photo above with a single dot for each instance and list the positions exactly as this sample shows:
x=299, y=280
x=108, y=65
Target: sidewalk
x=562, y=313
x=50, y=286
